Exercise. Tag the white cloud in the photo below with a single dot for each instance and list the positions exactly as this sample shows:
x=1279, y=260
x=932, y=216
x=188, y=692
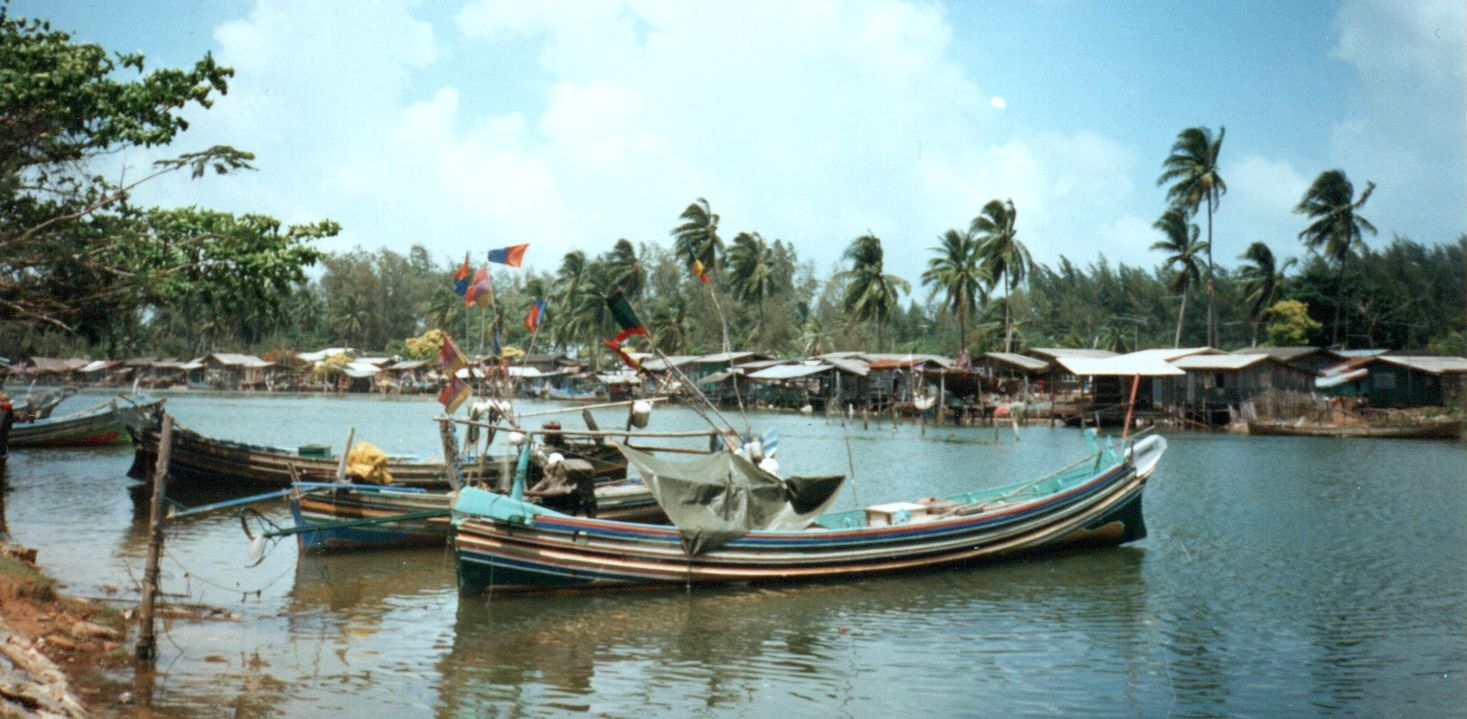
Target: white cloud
x=808, y=122
x=1404, y=128
x=999, y=102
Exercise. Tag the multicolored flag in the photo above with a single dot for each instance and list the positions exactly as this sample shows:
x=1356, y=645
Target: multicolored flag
x=461, y=278
x=481, y=290
x=454, y=394
x=621, y=311
x=512, y=255
x=536, y=316
x=450, y=359
x=699, y=271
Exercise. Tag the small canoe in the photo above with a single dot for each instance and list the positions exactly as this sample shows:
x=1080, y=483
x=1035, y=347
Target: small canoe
x=1444, y=428
x=199, y=458
x=91, y=427
x=362, y=516
x=502, y=546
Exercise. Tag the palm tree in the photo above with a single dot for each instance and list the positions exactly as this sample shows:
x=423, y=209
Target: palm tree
x=751, y=274
x=1336, y=228
x=958, y=274
x=568, y=281
x=1193, y=173
x=697, y=237
x=1262, y=277
x=669, y=327
x=1183, y=249
x=349, y=318
x=1001, y=253
x=627, y=270
x=870, y=292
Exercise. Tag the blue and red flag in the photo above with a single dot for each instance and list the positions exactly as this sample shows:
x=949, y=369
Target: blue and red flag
x=481, y=290
x=453, y=394
x=512, y=255
x=461, y=278
x=536, y=316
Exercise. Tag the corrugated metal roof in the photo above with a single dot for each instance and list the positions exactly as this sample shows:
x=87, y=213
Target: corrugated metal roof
x=1335, y=380
x=1287, y=354
x=1428, y=364
x=1119, y=366
x=849, y=365
x=1058, y=352
x=658, y=364
x=791, y=371
x=1025, y=362
x=723, y=357
x=1222, y=361
x=238, y=360
x=319, y=355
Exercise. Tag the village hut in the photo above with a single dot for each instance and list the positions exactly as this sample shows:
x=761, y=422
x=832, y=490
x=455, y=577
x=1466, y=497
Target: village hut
x=223, y=370
x=1217, y=386
x=1314, y=359
x=1398, y=380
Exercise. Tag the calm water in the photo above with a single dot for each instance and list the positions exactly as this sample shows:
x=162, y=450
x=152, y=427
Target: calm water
x=1282, y=577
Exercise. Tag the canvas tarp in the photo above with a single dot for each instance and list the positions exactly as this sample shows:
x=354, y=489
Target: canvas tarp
x=716, y=499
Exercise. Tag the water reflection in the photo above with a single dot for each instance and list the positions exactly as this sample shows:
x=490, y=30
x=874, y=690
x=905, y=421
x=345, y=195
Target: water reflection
x=800, y=649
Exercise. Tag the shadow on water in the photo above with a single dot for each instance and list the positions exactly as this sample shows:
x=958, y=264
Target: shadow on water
x=799, y=649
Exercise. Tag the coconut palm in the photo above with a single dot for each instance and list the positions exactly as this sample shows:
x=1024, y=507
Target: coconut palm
x=1262, y=278
x=1001, y=253
x=349, y=318
x=669, y=327
x=1192, y=170
x=751, y=274
x=697, y=237
x=1183, y=252
x=957, y=273
x=871, y=294
x=1335, y=228
x=568, y=281
x=627, y=270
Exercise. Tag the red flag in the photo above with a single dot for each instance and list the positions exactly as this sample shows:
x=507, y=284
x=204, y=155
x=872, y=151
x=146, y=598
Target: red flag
x=461, y=278
x=481, y=291
x=450, y=359
x=453, y=394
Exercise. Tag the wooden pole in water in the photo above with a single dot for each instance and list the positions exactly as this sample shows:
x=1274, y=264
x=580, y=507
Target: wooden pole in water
x=351, y=433
x=147, y=648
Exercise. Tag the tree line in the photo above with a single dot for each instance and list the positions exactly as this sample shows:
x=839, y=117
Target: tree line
x=83, y=270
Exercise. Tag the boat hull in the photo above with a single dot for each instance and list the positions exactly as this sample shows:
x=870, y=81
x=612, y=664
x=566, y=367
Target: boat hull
x=201, y=459
x=1446, y=429
x=95, y=427
x=328, y=508
x=567, y=553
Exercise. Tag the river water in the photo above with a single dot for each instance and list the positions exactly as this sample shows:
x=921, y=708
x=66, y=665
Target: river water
x=1282, y=577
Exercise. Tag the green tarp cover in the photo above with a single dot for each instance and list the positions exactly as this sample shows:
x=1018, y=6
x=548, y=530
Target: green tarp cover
x=716, y=499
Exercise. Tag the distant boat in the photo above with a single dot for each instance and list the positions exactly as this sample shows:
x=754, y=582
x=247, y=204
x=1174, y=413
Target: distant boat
x=228, y=464
x=573, y=395
x=507, y=546
x=91, y=427
x=331, y=517
x=1432, y=428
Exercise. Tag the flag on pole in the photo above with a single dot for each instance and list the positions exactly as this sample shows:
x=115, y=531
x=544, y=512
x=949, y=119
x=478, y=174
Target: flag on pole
x=536, y=316
x=481, y=290
x=461, y=278
x=621, y=311
x=512, y=255
x=699, y=271
x=453, y=394
x=450, y=359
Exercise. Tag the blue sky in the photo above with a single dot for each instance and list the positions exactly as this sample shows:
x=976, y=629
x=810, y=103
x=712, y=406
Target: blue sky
x=476, y=124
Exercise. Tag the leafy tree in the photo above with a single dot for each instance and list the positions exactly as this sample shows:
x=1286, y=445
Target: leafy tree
x=1192, y=170
x=870, y=293
x=1183, y=249
x=1290, y=324
x=74, y=255
x=1262, y=279
x=626, y=269
x=958, y=273
x=751, y=275
x=697, y=237
x=1335, y=228
x=1002, y=254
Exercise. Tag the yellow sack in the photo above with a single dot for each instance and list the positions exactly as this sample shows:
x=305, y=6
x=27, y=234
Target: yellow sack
x=368, y=463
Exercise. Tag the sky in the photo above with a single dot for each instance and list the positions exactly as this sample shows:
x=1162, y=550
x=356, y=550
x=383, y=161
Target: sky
x=476, y=124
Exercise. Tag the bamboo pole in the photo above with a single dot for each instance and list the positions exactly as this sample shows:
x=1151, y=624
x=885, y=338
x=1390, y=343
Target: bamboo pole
x=450, y=454
x=147, y=647
x=584, y=432
x=351, y=433
x=601, y=405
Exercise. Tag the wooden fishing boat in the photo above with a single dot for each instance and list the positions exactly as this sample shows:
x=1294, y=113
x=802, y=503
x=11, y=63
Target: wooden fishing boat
x=91, y=427
x=331, y=517
x=506, y=546
x=1428, y=428
x=199, y=458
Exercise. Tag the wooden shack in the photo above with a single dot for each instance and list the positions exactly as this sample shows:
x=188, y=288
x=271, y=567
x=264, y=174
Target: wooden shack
x=1217, y=385
x=1399, y=380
